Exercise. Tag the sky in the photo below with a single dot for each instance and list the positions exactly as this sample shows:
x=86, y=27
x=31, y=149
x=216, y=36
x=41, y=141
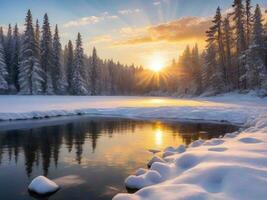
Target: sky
x=129, y=31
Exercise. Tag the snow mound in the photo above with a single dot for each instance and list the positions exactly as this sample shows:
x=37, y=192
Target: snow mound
x=155, y=159
x=43, y=186
x=232, y=167
x=151, y=177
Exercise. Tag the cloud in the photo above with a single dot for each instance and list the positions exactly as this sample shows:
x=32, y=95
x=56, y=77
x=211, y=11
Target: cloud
x=183, y=29
x=83, y=21
x=156, y=3
x=129, y=11
x=101, y=39
x=89, y=20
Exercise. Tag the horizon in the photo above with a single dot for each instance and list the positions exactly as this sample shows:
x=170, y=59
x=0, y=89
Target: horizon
x=129, y=32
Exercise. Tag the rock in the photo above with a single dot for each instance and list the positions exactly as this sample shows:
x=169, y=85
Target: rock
x=181, y=149
x=155, y=159
x=168, y=153
x=154, y=151
x=43, y=186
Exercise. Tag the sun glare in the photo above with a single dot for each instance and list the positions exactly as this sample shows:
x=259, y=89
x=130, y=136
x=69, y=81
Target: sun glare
x=157, y=63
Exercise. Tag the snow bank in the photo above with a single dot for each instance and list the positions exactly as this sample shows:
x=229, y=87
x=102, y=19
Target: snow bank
x=42, y=186
x=229, y=108
x=233, y=167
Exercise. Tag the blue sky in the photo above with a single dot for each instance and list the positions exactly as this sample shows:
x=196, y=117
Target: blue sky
x=103, y=23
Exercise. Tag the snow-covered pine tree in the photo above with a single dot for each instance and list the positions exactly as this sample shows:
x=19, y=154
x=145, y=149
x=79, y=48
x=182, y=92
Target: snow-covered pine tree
x=239, y=22
x=3, y=70
x=78, y=79
x=219, y=75
x=265, y=27
x=259, y=46
x=228, y=41
x=185, y=62
x=196, y=75
x=47, y=56
x=93, y=73
x=2, y=36
x=69, y=66
x=15, y=56
x=254, y=57
x=58, y=73
x=37, y=35
x=8, y=55
x=258, y=38
x=112, y=77
x=30, y=71
x=249, y=20
x=239, y=27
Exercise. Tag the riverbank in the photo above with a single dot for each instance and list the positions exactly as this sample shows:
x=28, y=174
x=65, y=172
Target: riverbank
x=231, y=108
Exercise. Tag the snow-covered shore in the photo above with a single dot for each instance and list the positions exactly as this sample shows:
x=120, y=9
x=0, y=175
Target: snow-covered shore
x=231, y=108
x=233, y=167
x=230, y=168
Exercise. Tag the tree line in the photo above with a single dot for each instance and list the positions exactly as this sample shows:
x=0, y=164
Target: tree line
x=34, y=63
x=235, y=57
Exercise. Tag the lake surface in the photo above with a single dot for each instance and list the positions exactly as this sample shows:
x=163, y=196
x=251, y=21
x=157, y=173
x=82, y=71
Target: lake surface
x=89, y=158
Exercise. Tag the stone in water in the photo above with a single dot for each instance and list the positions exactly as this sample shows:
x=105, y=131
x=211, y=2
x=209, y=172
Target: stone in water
x=43, y=186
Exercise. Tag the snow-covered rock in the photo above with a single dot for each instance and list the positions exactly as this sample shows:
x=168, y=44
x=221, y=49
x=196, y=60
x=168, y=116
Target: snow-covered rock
x=168, y=153
x=151, y=177
x=154, y=151
x=181, y=149
x=42, y=186
x=155, y=159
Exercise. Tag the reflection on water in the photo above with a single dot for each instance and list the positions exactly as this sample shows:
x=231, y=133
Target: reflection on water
x=90, y=158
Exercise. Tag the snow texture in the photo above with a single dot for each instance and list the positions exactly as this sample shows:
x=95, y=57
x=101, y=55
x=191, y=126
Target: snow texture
x=232, y=167
x=42, y=186
x=233, y=108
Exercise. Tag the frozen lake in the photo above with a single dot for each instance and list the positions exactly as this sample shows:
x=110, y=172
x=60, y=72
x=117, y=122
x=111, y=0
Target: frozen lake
x=89, y=158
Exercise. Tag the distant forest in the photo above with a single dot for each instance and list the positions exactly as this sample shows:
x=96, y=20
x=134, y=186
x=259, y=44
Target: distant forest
x=235, y=59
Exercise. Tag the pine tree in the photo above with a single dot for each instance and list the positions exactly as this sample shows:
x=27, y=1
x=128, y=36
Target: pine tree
x=8, y=54
x=216, y=48
x=197, y=85
x=2, y=36
x=93, y=73
x=258, y=38
x=78, y=79
x=249, y=21
x=228, y=43
x=15, y=57
x=3, y=70
x=30, y=72
x=58, y=73
x=255, y=56
x=239, y=21
x=37, y=38
x=239, y=27
x=47, y=56
x=265, y=27
x=69, y=66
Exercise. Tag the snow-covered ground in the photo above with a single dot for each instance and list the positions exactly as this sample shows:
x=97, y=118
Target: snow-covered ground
x=232, y=108
x=231, y=168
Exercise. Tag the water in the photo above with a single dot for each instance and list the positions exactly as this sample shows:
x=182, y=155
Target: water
x=90, y=157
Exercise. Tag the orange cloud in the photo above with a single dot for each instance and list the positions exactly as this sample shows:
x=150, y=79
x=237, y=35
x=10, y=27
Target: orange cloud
x=183, y=29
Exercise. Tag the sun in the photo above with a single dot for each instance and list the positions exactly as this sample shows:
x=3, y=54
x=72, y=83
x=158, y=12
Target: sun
x=156, y=63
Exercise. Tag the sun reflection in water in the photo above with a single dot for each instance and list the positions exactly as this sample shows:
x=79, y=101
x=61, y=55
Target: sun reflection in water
x=158, y=137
